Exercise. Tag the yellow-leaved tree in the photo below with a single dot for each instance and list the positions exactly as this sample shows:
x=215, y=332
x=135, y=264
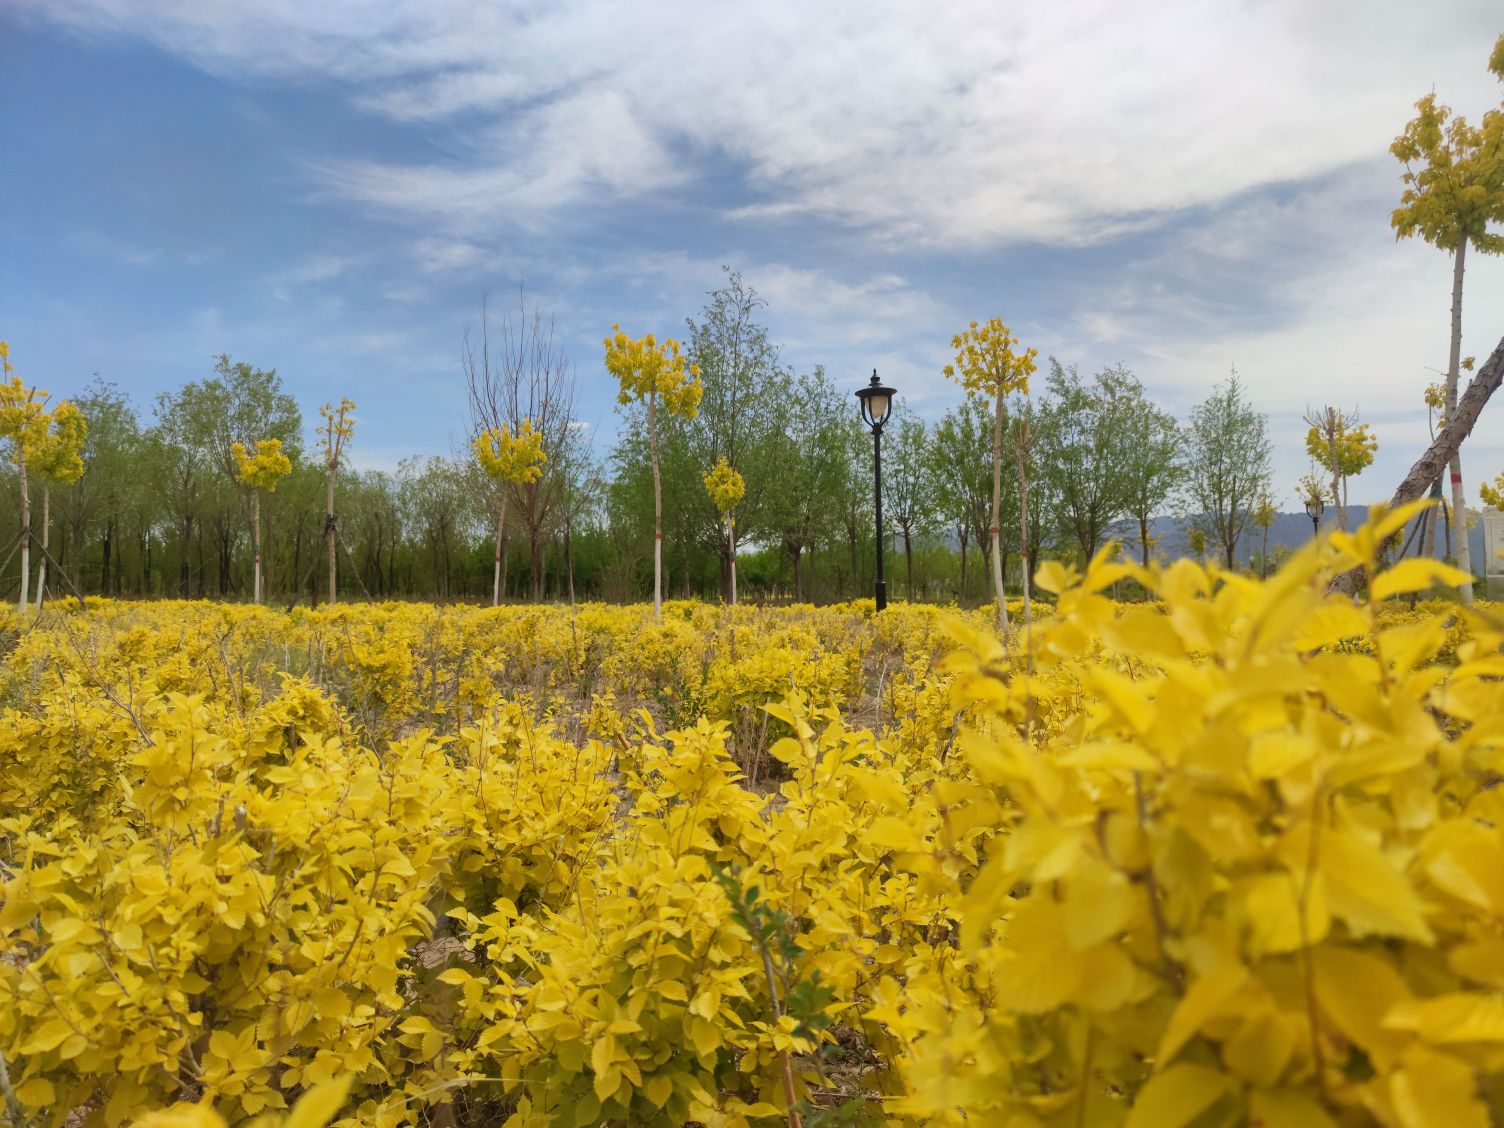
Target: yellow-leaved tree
x=1263, y=516
x=726, y=488
x=509, y=456
x=57, y=460
x=651, y=372
x=1341, y=446
x=991, y=362
x=23, y=428
x=260, y=472
x=338, y=427
x=1454, y=191
x=1493, y=495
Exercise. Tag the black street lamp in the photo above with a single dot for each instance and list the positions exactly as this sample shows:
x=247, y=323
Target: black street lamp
x=1314, y=508
x=877, y=405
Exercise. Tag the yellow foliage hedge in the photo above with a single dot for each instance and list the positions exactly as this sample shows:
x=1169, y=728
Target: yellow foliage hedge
x=1232, y=856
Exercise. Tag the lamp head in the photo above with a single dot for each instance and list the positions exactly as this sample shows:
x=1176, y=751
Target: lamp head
x=877, y=402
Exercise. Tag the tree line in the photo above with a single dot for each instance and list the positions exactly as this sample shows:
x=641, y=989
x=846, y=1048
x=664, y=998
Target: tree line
x=190, y=496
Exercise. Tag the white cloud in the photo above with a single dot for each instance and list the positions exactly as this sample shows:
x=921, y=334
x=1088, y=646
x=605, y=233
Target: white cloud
x=960, y=124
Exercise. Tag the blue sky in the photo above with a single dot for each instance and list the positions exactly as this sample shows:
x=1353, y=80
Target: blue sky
x=331, y=188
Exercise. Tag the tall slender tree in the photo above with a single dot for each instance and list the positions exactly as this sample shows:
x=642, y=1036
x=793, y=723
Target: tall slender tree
x=1227, y=464
x=23, y=428
x=1454, y=192
x=259, y=472
x=57, y=462
x=910, y=487
x=649, y=372
x=726, y=488
x=991, y=363
x=508, y=457
x=334, y=436
x=1343, y=447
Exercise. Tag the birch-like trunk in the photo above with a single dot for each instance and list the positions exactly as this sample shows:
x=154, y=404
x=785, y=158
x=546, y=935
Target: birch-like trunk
x=997, y=507
x=1429, y=466
x=1023, y=513
x=501, y=520
x=1459, y=502
x=1336, y=456
x=25, y=534
x=46, y=529
x=657, y=509
x=329, y=536
x=731, y=539
x=256, y=545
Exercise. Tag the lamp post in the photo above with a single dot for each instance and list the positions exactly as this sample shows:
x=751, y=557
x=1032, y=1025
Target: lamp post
x=877, y=405
x=1314, y=507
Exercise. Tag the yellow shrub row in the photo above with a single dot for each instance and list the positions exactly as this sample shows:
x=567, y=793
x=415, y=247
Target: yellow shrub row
x=1230, y=857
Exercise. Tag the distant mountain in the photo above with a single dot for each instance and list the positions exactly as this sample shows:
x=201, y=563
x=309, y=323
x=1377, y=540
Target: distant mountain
x=1289, y=529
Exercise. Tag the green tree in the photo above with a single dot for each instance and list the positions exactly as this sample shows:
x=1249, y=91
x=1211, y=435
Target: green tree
x=1454, y=191
x=909, y=490
x=1085, y=451
x=963, y=474
x=739, y=412
x=815, y=425
x=1152, y=464
x=1227, y=464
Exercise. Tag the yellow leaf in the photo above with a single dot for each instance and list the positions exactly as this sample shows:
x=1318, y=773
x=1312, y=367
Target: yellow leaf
x=658, y=1089
x=38, y=1093
x=1259, y=1050
x=321, y=1104
x=1286, y=1108
x=1356, y=990
x=602, y=1054
x=1177, y=1096
x=1272, y=906
x=1330, y=624
x=1203, y=1000
x=1458, y=1017
x=1365, y=890
x=1436, y=1091
x=1415, y=573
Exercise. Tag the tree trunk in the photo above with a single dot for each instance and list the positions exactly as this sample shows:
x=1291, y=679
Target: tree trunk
x=535, y=550
x=797, y=552
x=501, y=521
x=908, y=557
x=256, y=546
x=961, y=595
x=25, y=532
x=1023, y=514
x=46, y=529
x=1428, y=467
x=658, y=512
x=1336, y=455
x=731, y=540
x=329, y=538
x=997, y=508
x=569, y=557
x=1459, y=501
x=1143, y=538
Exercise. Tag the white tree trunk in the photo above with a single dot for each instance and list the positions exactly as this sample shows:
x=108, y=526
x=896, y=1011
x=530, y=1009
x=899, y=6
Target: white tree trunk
x=256, y=545
x=329, y=537
x=1459, y=502
x=501, y=520
x=731, y=534
x=1023, y=513
x=997, y=507
x=657, y=511
x=46, y=528
x=25, y=535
